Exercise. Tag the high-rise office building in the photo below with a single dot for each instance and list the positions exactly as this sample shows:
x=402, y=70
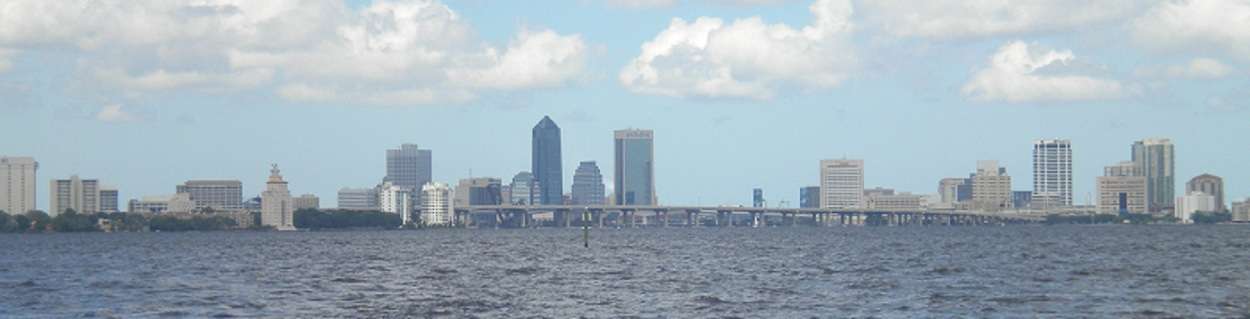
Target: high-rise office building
x=17, y=184
x=409, y=167
x=216, y=194
x=1052, y=173
x=842, y=183
x=437, y=207
x=276, y=209
x=991, y=187
x=81, y=195
x=1122, y=189
x=109, y=199
x=1211, y=185
x=588, y=185
x=635, y=168
x=1157, y=161
x=809, y=197
x=525, y=190
x=306, y=201
x=363, y=199
x=757, y=197
x=546, y=164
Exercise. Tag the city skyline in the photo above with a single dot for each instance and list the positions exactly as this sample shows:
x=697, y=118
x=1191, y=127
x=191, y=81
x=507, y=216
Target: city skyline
x=169, y=116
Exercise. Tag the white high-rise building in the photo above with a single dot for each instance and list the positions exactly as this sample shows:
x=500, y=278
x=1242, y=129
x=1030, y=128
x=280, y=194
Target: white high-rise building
x=1052, y=173
x=1194, y=202
x=842, y=183
x=395, y=199
x=277, y=210
x=17, y=184
x=81, y=195
x=437, y=208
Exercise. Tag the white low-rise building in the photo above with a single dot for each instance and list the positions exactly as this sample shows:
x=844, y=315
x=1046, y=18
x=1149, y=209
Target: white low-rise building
x=1194, y=202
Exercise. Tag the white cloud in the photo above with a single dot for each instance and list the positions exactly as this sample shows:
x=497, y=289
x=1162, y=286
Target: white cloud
x=642, y=3
x=113, y=113
x=1197, y=68
x=1195, y=25
x=962, y=19
x=747, y=58
x=1020, y=72
x=388, y=48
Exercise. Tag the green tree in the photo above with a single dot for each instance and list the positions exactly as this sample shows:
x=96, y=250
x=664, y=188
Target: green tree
x=72, y=221
x=39, y=221
x=21, y=223
x=4, y=221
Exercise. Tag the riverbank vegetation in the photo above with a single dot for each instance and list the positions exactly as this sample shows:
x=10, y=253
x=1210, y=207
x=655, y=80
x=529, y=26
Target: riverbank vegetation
x=345, y=219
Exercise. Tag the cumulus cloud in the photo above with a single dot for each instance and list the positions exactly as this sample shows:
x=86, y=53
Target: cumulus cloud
x=747, y=58
x=388, y=48
x=952, y=19
x=113, y=113
x=1197, y=68
x=1020, y=72
x=1185, y=25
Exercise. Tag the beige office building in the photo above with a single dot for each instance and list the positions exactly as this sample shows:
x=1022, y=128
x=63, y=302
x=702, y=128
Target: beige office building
x=1241, y=211
x=991, y=187
x=1122, y=188
x=277, y=210
x=306, y=201
x=17, y=184
x=842, y=183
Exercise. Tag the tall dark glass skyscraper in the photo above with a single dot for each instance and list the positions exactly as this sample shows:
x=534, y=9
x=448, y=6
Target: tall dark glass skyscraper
x=635, y=168
x=546, y=162
x=409, y=166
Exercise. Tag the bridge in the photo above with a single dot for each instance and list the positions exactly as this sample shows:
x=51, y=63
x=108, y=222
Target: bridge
x=666, y=216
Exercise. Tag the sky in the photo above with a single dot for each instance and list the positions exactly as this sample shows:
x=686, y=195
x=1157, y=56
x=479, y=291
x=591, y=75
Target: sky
x=146, y=94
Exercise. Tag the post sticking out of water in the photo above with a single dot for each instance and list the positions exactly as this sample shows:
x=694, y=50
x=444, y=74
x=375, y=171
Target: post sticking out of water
x=586, y=227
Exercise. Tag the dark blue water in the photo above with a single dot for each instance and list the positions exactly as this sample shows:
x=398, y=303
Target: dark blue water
x=1079, y=271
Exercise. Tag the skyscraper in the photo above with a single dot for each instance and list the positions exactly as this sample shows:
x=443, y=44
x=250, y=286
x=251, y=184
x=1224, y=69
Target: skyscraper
x=525, y=189
x=546, y=162
x=1155, y=158
x=17, y=184
x=1211, y=185
x=81, y=195
x=809, y=197
x=842, y=183
x=635, y=167
x=1122, y=189
x=276, y=209
x=588, y=185
x=1052, y=173
x=757, y=197
x=217, y=194
x=991, y=187
x=409, y=167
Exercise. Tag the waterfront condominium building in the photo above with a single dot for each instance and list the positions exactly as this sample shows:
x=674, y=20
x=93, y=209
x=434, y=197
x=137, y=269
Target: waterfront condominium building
x=109, y=199
x=1156, y=159
x=17, y=184
x=635, y=168
x=217, y=194
x=362, y=199
x=991, y=187
x=306, y=201
x=841, y=183
x=409, y=167
x=396, y=199
x=276, y=209
x=545, y=162
x=437, y=207
x=81, y=195
x=1122, y=189
x=524, y=190
x=1209, y=184
x=1193, y=202
x=809, y=197
x=588, y=185
x=1052, y=173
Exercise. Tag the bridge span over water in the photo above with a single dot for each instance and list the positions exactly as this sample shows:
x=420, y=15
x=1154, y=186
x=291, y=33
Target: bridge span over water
x=665, y=216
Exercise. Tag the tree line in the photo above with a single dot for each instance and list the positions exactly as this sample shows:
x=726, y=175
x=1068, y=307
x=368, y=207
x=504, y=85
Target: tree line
x=344, y=219
x=70, y=221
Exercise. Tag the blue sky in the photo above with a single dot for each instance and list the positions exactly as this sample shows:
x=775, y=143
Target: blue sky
x=741, y=93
